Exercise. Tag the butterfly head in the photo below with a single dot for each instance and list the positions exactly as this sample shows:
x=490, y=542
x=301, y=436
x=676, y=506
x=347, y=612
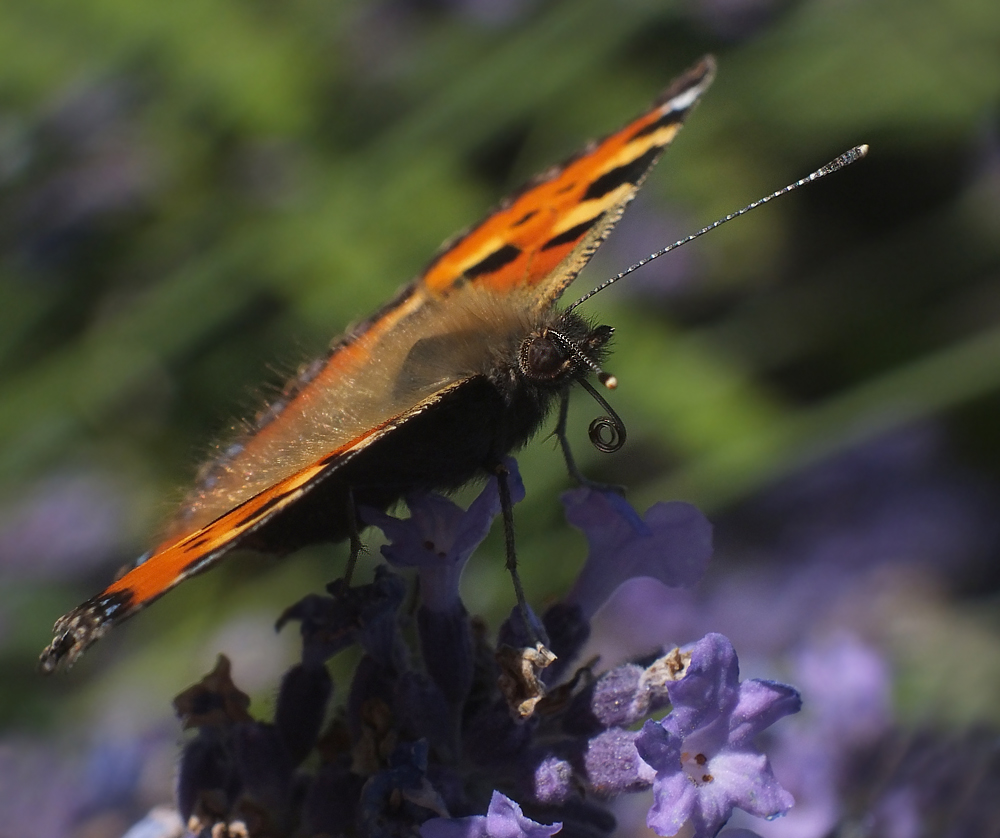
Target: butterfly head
x=567, y=349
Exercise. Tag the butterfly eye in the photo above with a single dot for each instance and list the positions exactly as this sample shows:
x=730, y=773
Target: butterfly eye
x=542, y=359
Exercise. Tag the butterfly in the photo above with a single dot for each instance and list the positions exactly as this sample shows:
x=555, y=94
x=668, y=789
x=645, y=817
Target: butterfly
x=459, y=369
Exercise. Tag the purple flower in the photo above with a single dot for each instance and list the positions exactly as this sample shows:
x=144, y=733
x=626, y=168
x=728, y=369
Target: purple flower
x=812, y=773
x=848, y=686
x=365, y=615
x=399, y=796
x=503, y=820
x=671, y=544
x=613, y=764
x=703, y=753
x=439, y=537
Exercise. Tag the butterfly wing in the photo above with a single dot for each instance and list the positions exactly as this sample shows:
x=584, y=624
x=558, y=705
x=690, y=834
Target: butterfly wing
x=180, y=558
x=519, y=259
x=540, y=239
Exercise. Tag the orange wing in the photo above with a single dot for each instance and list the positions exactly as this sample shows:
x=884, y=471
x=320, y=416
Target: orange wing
x=181, y=558
x=540, y=239
x=521, y=258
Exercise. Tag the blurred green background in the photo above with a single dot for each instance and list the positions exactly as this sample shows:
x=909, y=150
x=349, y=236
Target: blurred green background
x=196, y=196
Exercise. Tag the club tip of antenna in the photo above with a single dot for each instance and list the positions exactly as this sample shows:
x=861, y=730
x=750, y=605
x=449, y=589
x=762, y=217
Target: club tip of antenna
x=608, y=380
x=852, y=156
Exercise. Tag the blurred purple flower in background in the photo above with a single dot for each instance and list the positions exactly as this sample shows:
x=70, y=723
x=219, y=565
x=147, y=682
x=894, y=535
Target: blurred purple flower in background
x=62, y=527
x=897, y=500
x=818, y=552
x=62, y=791
x=845, y=687
x=94, y=172
x=68, y=523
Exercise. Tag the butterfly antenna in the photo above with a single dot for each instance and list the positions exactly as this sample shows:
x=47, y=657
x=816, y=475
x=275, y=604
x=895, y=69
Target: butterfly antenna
x=839, y=163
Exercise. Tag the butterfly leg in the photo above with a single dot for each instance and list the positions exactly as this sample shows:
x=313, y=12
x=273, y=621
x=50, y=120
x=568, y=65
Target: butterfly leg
x=357, y=545
x=521, y=680
x=507, y=512
x=560, y=434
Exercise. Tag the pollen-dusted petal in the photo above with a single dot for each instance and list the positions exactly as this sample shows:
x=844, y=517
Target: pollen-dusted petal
x=615, y=694
x=613, y=764
x=553, y=780
x=626, y=694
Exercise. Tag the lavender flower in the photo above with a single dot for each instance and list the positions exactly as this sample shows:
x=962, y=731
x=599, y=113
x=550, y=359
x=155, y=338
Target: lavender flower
x=464, y=738
x=705, y=760
x=671, y=544
x=439, y=537
x=504, y=819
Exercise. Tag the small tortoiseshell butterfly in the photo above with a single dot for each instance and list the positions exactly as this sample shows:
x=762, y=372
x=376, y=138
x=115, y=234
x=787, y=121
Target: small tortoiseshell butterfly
x=458, y=370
